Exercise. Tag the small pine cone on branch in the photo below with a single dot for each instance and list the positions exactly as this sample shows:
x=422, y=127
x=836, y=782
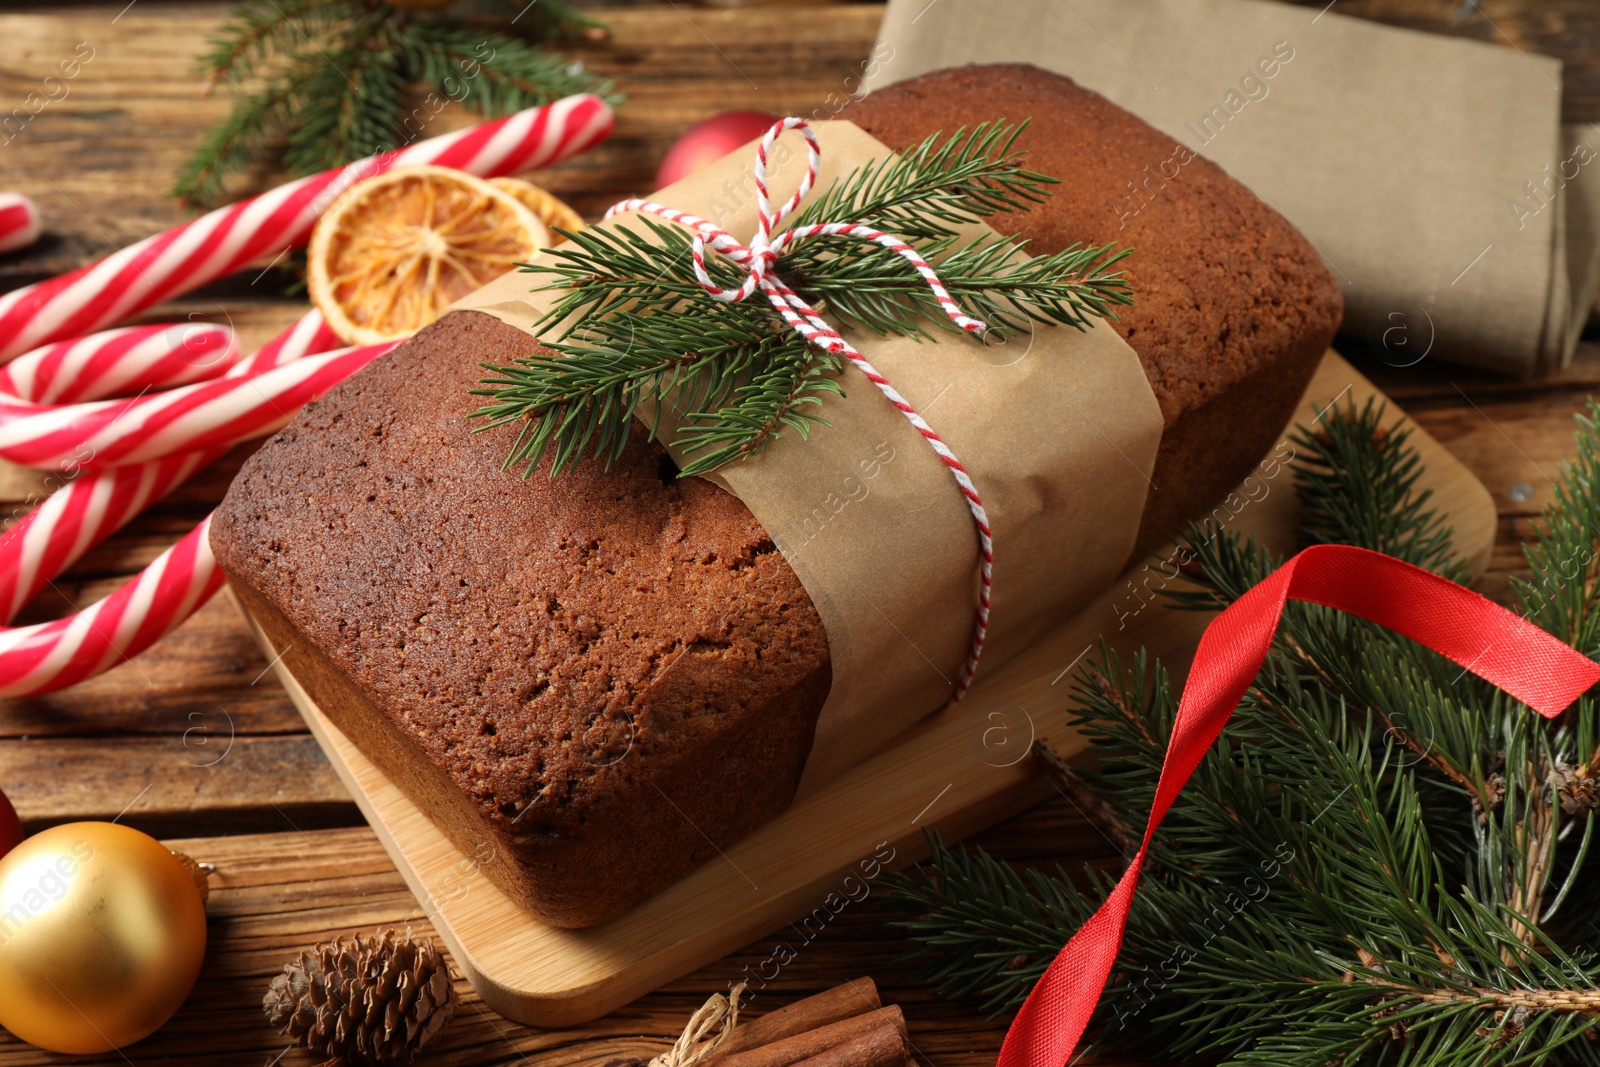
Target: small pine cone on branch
x=372, y=999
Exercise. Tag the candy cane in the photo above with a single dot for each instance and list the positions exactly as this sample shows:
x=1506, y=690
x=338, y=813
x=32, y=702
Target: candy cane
x=46, y=656
x=92, y=506
x=19, y=222
x=53, y=655
x=109, y=433
x=54, y=411
x=112, y=362
x=228, y=238
x=79, y=516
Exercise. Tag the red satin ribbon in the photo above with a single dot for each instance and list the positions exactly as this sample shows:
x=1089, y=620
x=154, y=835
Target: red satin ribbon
x=1486, y=639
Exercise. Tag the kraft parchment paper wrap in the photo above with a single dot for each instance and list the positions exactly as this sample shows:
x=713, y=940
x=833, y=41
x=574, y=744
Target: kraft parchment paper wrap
x=1058, y=430
x=1461, y=219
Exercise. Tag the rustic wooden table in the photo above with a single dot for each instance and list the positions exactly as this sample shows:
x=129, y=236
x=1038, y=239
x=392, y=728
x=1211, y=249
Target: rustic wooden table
x=195, y=743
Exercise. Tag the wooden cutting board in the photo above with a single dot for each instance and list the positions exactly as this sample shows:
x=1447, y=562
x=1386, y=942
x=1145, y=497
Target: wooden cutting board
x=958, y=772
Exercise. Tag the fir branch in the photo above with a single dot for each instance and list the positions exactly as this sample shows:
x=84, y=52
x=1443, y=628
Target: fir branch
x=324, y=81
x=1565, y=559
x=1077, y=789
x=780, y=392
x=1357, y=483
x=260, y=31
x=354, y=102
x=1415, y=836
x=493, y=72
x=938, y=185
x=870, y=287
x=1356, y=480
x=604, y=270
x=629, y=297
x=577, y=400
x=549, y=19
x=983, y=928
x=235, y=142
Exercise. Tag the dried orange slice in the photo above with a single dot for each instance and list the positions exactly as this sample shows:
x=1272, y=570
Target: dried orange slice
x=552, y=210
x=398, y=248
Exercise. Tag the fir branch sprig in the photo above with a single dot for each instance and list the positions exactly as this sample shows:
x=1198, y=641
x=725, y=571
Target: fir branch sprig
x=363, y=85
x=260, y=31
x=1563, y=596
x=1357, y=483
x=518, y=74
x=884, y=294
x=1381, y=862
x=936, y=186
x=731, y=372
x=633, y=328
x=320, y=83
x=548, y=21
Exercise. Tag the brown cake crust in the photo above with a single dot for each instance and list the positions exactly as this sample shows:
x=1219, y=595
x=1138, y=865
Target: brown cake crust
x=594, y=682
x=1232, y=307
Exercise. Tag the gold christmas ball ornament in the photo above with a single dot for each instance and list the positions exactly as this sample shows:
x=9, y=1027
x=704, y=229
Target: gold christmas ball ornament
x=102, y=932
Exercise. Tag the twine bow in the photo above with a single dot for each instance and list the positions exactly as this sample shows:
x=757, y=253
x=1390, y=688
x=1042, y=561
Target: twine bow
x=698, y=1041
x=758, y=261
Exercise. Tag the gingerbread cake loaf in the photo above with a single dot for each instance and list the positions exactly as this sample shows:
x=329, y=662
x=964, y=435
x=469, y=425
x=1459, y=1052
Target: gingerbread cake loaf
x=593, y=682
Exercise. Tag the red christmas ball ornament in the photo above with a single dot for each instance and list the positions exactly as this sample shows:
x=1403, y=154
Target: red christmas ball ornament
x=706, y=142
x=10, y=826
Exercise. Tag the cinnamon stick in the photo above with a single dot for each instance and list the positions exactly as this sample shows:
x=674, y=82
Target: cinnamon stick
x=789, y=1051
x=811, y=1013
x=882, y=1046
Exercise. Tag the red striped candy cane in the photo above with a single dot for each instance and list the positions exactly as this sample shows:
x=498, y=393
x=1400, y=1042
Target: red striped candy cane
x=185, y=257
x=54, y=410
x=222, y=412
x=53, y=655
x=19, y=222
x=130, y=359
x=87, y=510
x=92, y=505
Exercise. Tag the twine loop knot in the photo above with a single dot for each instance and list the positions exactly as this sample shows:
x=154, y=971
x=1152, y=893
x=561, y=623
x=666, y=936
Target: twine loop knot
x=705, y=1031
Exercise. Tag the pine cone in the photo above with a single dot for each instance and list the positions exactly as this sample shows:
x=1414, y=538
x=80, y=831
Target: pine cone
x=364, y=1000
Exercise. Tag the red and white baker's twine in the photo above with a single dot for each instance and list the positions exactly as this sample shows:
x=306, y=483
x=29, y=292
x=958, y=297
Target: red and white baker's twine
x=758, y=259
x=123, y=454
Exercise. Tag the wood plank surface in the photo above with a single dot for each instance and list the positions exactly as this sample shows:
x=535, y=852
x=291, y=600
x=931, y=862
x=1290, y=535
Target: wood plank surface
x=99, y=163
x=276, y=893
